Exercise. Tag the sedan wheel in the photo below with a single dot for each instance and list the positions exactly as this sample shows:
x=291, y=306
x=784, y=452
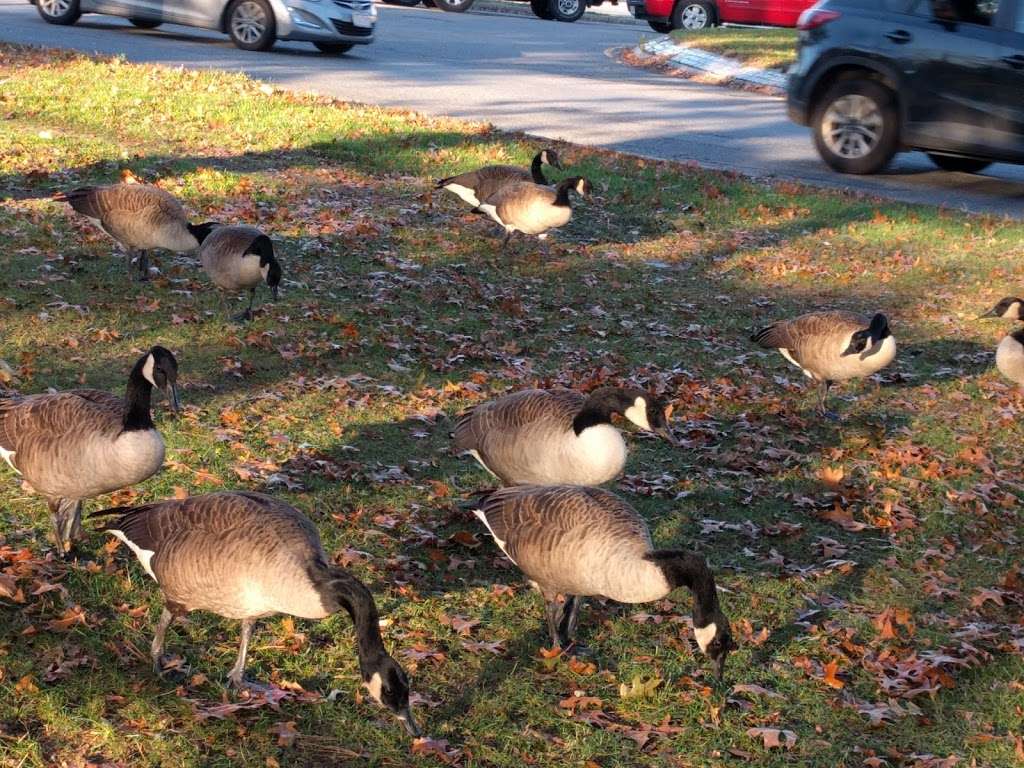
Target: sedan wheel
x=61, y=12
x=251, y=25
x=856, y=126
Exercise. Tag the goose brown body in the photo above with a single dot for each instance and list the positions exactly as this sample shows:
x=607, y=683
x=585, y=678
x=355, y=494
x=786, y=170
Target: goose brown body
x=228, y=257
x=575, y=541
x=528, y=437
x=526, y=207
x=478, y=185
x=1010, y=357
x=139, y=216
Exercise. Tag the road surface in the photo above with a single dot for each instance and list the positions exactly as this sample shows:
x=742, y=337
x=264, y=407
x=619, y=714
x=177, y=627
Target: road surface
x=545, y=78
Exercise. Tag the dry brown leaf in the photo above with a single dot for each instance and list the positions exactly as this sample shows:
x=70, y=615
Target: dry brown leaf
x=285, y=732
x=774, y=737
x=830, y=675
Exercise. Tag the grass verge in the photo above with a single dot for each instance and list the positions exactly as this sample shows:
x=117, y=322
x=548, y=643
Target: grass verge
x=759, y=47
x=871, y=567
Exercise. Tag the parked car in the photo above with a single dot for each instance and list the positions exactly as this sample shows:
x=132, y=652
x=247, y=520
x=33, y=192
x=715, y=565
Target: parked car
x=549, y=10
x=874, y=77
x=666, y=15
x=333, y=26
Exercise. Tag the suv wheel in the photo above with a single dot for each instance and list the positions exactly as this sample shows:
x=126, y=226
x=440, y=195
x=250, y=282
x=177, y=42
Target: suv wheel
x=540, y=9
x=856, y=126
x=693, y=14
x=251, y=25
x=661, y=26
x=455, y=6
x=962, y=164
x=567, y=10
x=61, y=12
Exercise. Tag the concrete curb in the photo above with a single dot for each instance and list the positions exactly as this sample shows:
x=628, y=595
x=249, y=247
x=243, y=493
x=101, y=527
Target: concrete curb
x=713, y=67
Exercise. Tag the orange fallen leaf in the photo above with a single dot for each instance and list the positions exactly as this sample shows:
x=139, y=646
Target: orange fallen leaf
x=830, y=675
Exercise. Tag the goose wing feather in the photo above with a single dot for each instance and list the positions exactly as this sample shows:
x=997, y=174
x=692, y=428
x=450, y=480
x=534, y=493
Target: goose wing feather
x=223, y=254
x=812, y=335
x=137, y=215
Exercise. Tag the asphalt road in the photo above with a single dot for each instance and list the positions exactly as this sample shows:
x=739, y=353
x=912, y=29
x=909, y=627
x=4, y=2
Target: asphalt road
x=544, y=78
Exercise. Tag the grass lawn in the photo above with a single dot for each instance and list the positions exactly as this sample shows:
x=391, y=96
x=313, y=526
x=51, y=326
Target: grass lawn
x=870, y=567
x=764, y=48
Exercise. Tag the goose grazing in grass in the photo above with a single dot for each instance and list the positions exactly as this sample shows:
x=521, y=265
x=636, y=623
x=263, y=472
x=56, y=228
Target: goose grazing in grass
x=578, y=542
x=480, y=184
x=533, y=209
x=246, y=556
x=1010, y=308
x=832, y=346
x=550, y=437
x=140, y=217
x=74, y=445
x=239, y=258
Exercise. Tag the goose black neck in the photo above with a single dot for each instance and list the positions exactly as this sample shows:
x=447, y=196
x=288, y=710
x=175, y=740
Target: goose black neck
x=594, y=411
x=685, y=569
x=137, y=402
x=537, y=171
x=352, y=595
x=562, y=192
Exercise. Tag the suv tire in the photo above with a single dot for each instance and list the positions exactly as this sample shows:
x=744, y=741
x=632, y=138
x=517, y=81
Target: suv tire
x=540, y=9
x=251, y=25
x=664, y=27
x=856, y=126
x=961, y=164
x=62, y=12
x=693, y=15
x=567, y=10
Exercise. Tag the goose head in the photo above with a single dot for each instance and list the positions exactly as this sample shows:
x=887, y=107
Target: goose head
x=388, y=685
x=582, y=186
x=715, y=641
x=1009, y=308
x=550, y=157
x=201, y=231
x=635, y=405
x=159, y=368
x=867, y=338
x=271, y=269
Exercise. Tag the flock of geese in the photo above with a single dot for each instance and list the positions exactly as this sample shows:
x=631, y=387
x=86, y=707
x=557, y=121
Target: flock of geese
x=247, y=556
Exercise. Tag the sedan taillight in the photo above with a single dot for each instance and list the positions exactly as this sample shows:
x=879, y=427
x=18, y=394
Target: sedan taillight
x=813, y=18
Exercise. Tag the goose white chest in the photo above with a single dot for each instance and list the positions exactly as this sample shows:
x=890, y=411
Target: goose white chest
x=103, y=465
x=594, y=457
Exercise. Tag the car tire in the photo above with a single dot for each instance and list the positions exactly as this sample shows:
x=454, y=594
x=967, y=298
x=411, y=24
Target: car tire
x=541, y=10
x=664, y=27
x=145, y=23
x=251, y=25
x=454, y=6
x=693, y=15
x=429, y=4
x=404, y=3
x=961, y=164
x=62, y=12
x=856, y=126
x=567, y=10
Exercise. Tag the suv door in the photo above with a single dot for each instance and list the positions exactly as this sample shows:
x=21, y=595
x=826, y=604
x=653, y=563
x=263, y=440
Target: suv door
x=1008, y=85
x=947, y=51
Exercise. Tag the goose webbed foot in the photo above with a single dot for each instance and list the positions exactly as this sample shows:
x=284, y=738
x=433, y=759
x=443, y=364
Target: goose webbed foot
x=829, y=415
x=251, y=687
x=171, y=668
x=243, y=317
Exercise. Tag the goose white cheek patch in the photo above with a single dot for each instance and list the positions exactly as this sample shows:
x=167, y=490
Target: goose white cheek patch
x=637, y=413
x=705, y=635
x=374, y=686
x=147, y=368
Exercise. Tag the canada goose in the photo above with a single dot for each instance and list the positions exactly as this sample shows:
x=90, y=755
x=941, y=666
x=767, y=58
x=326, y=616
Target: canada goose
x=1009, y=308
x=240, y=257
x=138, y=216
x=480, y=184
x=246, y=556
x=1010, y=357
x=578, y=542
x=832, y=346
x=549, y=437
x=531, y=208
x=74, y=445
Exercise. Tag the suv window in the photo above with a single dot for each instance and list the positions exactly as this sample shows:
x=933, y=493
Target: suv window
x=963, y=11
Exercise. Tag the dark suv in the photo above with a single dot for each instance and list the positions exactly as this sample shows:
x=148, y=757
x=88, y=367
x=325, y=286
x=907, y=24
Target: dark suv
x=874, y=77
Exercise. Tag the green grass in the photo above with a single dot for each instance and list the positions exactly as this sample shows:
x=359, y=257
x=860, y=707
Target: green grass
x=755, y=46
x=397, y=312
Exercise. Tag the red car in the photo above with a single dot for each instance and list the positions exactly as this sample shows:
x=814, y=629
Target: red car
x=666, y=15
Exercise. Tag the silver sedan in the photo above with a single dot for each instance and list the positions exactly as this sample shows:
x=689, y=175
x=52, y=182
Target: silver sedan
x=333, y=26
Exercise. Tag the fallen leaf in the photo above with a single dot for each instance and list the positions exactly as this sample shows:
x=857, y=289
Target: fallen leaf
x=774, y=737
x=285, y=732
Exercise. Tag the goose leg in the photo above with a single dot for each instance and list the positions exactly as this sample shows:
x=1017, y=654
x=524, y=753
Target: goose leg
x=553, y=612
x=156, y=650
x=504, y=242
x=67, y=524
x=236, y=675
x=247, y=315
x=143, y=266
x=570, y=617
x=826, y=385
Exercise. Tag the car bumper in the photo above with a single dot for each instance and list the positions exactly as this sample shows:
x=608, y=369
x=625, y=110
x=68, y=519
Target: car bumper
x=327, y=21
